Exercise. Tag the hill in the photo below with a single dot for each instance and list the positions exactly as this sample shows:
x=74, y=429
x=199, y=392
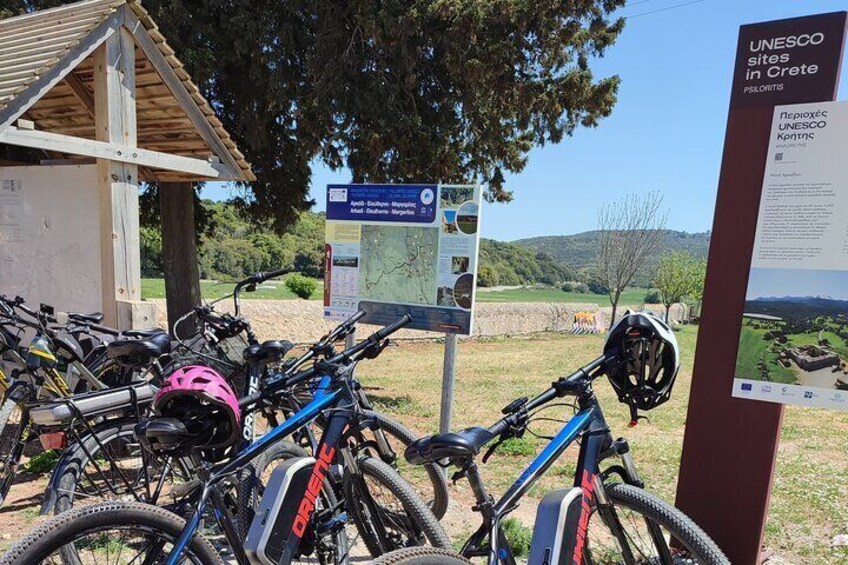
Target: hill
x=578, y=251
x=508, y=264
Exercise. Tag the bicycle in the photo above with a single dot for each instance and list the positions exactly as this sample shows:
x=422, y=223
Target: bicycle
x=598, y=520
x=165, y=538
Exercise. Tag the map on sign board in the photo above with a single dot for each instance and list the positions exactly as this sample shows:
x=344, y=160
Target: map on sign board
x=396, y=249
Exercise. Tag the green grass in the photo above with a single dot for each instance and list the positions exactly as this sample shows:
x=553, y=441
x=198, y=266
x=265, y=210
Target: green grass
x=628, y=298
x=274, y=290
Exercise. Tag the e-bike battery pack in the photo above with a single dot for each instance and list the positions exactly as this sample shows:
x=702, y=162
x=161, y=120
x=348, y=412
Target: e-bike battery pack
x=273, y=526
x=555, y=530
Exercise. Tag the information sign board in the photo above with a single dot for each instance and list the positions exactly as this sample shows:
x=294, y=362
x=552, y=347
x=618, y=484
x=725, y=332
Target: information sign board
x=395, y=249
x=793, y=346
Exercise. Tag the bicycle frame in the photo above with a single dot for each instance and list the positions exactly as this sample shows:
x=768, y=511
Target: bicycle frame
x=338, y=421
x=595, y=445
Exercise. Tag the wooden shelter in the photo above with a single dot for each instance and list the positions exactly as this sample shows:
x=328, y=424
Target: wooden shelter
x=96, y=81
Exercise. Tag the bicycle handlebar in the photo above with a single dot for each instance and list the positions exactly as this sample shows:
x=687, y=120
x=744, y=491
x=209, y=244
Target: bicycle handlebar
x=569, y=385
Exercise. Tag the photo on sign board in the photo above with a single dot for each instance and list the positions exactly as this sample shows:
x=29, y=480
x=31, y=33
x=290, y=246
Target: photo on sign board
x=463, y=291
x=453, y=196
x=459, y=265
x=445, y=297
x=466, y=218
x=795, y=328
x=449, y=222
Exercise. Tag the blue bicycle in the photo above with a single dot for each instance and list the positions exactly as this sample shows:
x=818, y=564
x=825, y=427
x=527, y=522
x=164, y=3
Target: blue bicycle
x=606, y=517
x=303, y=510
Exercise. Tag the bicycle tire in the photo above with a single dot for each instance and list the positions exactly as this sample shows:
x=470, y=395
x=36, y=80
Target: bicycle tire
x=421, y=556
x=49, y=537
x=693, y=538
x=439, y=503
x=9, y=438
x=247, y=494
x=417, y=510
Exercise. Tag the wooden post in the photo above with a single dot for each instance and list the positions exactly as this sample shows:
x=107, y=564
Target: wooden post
x=115, y=122
x=179, y=251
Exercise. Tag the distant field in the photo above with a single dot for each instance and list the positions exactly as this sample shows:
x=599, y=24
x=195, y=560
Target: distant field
x=555, y=295
x=274, y=290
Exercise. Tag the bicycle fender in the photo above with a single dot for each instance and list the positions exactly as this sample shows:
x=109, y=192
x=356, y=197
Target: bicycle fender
x=70, y=455
x=556, y=528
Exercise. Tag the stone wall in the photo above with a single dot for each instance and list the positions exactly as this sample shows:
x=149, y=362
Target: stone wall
x=303, y=320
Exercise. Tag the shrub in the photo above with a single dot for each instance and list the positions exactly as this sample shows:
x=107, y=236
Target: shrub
x=575, y=286
x=301, y=286
x=653, y=297
x=43, y=462
x=518, y=535
x=597, y=286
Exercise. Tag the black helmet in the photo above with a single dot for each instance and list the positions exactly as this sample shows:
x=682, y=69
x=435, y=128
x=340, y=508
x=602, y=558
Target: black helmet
x=643, y=360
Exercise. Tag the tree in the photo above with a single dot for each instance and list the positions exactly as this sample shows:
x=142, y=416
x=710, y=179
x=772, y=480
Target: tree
x=398, y=90
x=677, y=276
x=629, y=232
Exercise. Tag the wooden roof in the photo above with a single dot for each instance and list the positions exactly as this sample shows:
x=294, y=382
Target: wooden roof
x=46, y=76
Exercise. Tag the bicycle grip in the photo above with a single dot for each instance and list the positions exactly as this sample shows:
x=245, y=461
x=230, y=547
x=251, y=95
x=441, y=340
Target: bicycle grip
x=392, y=328
x=355, y=318
x=270, y=275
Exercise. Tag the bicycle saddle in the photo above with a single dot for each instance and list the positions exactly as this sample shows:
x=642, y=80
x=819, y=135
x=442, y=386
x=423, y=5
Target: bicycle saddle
x=138, y=352
x=93, y=318
x=465, y=443
x=267, y=352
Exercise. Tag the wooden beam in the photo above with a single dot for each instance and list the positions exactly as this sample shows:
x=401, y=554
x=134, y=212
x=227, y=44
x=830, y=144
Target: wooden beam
x=179, y=249
x=114, y=152
x=175, y=85
x=81, y=92
x=30, y=95
x=115, y=124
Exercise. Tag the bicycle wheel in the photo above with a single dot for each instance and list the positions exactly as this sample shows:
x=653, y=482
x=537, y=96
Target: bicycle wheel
x=330, y=546
x=108, y=465
x=11, y=417
x=387, y=511
x=653, y=532
x=113, y=533
x=428, y=480
x=422, y=556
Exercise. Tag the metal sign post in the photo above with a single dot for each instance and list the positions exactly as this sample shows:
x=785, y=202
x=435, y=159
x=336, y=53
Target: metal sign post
x=448, y=378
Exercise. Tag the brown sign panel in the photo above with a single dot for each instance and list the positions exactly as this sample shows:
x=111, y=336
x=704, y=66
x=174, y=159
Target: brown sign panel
x=730, y=444
x=788, y=61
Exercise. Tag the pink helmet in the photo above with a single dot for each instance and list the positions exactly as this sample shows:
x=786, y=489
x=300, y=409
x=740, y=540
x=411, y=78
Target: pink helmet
x=204, y=402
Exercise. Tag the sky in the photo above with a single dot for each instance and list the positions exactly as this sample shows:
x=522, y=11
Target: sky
x=675, y=59
x=777, y=283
